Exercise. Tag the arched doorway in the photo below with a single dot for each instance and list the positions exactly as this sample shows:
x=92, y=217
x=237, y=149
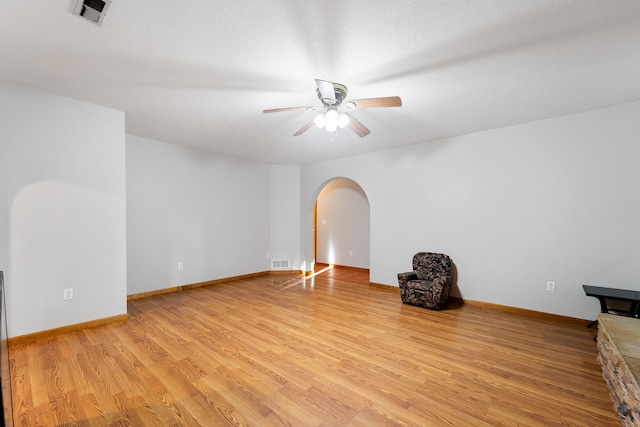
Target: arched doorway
x=342, y=225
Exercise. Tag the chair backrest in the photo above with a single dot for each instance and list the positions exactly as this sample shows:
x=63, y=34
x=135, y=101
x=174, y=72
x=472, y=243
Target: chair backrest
x=429, y=265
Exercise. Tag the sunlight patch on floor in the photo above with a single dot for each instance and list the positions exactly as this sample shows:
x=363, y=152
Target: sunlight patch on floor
x=304, y=280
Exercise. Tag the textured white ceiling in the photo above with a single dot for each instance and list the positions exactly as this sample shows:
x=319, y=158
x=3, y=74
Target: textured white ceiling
x=200, y=72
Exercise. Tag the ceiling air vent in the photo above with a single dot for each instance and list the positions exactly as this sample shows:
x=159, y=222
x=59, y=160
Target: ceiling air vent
x=92, y=10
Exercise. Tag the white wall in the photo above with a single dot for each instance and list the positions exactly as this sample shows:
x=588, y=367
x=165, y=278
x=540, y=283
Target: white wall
x=62, y=209
x=207, y=211
x=285, y=215
x=343, y=225
x=553, y=200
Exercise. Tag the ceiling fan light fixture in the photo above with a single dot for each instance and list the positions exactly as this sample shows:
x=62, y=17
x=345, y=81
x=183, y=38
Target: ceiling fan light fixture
x=332, y=117
x=331, y=120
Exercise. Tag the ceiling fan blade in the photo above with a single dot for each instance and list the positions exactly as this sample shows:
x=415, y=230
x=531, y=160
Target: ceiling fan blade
x=387, y=101
x=304, y=129
x=357, y=126
x=279, y=110
x=327, y=91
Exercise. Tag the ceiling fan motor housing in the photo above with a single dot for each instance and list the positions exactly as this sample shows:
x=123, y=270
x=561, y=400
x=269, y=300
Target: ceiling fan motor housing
x=340, y=92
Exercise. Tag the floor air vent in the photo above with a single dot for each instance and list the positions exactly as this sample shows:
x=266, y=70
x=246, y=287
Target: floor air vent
x=279, y=264
x=92, y=10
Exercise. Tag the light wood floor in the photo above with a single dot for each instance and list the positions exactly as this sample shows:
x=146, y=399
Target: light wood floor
x=279, y=350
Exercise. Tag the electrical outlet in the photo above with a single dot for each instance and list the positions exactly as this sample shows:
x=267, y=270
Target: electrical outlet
x=551, y=286
x=180, y=266
x=68, y=294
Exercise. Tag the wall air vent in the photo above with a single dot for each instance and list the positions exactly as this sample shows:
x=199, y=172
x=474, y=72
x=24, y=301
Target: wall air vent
x=92, y=10
x=280, y=264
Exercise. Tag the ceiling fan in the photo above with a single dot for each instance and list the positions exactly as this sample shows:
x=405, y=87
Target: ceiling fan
x=332, y=96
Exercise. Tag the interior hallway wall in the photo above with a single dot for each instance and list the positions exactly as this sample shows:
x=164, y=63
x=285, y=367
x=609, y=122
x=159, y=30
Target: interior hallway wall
x=62, y=210
x=208, y=212
x=552, y=200
x=343, y=225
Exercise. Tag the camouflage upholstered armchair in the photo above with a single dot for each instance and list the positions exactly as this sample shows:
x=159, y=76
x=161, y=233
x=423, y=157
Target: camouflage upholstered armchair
x=429, y=283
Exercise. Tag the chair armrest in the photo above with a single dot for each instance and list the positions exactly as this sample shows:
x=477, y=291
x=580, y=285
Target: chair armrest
x=441, y=281
x=403, y=278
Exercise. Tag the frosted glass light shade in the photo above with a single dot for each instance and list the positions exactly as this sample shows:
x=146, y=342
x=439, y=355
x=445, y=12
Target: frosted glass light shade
x=343, y=120
x=332, y=116
x=320, y=120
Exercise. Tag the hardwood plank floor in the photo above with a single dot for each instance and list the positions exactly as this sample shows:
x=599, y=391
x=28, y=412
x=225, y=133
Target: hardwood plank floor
x=345, y=274
x=280, y=350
